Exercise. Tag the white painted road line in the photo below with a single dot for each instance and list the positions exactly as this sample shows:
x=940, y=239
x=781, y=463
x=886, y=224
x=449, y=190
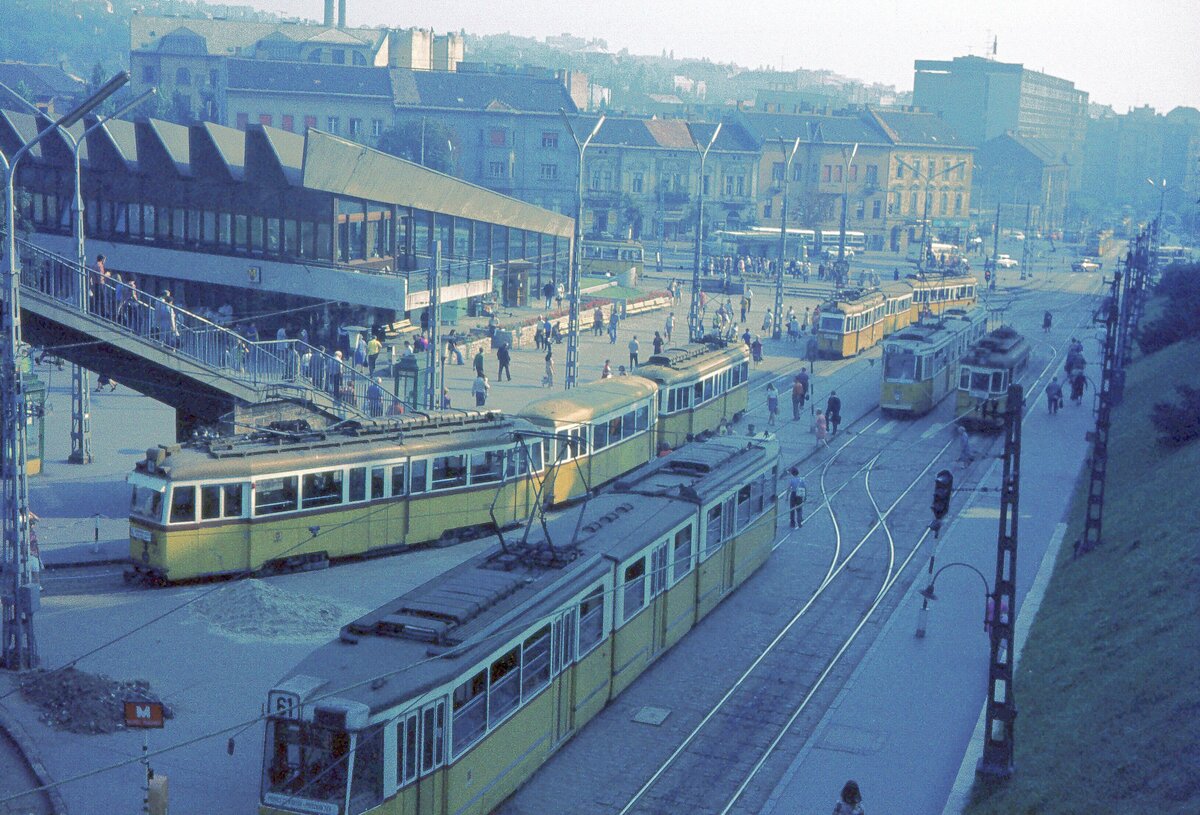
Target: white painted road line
x=931, y=432
x=886, y=427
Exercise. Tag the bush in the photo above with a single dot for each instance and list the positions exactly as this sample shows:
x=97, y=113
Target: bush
x=1178, y=424
x=1180, y=288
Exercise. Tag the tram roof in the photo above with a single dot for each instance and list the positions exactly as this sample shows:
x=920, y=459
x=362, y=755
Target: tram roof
x=589, y=400
x=491, y=600
x=691, y=361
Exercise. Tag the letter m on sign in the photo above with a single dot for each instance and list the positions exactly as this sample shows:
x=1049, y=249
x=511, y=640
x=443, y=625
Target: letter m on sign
x=143, y=714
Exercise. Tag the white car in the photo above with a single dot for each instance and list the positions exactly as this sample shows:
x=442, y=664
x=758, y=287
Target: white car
x=1006, y=262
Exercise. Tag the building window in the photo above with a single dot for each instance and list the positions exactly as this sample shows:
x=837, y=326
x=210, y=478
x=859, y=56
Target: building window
x=265, y=119
x=766, y=210
x=875, y=208
x=828, y=175
x=359, y=59
x=497, y=137
x=962, y=171
x=315, y=55
x=310, y=121
x=333, y=124
x=958, y=203
x=338, y=56
x=550, y=140
x=797, y=171
x=149, y=74
x=873, y=174
x=183, y=77
x=945, y=205
x=214, y=77
x=243, y=121
x=899, y=169
x=912, y=202
x=860, y=209
x=377, y=127
x=496, y=169
x=594, y=180
x=635, y=185
x=854, y=172
x=548, y=172
x=837, y=173
x=355, y=127
x=777, y=172
x=287, y=122
x=707, y=184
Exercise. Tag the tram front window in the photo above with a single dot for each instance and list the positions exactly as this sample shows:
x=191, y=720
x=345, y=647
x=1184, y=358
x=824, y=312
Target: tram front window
x=980, y=380
x=305, y=762
x=146, y=503
x=900, y=366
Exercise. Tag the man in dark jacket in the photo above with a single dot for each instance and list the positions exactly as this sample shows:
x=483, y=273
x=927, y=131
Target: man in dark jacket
x=833, y=412
x=502, y=359
x=478, y=361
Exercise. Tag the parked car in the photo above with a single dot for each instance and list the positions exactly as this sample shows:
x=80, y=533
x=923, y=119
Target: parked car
x=1085, y=265
x=1006, y=262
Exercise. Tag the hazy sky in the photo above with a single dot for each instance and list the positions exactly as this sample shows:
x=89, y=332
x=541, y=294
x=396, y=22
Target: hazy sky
x=1121, y=52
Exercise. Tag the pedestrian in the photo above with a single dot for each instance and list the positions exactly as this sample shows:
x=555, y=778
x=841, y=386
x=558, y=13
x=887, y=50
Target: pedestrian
x=445, y=399
x=375, y=398
x=539, y=336
x=334, y=374
x=772, y=403
x=768, y=319
x=606, y=371
x=797, y=492
x=821, y=427
x=548, y=379
x=756, y=350
x=597, y=322
x=1078, y=382
x=103, y=380
x=669, y=327
x=621, y=371
x=799, y=390
x=375, y=347
x=965, y=456
x=478, y=362
x=803, y=377
x=503, y=358
x=424, y=321
x=833, y=412
x=480, y=388
x=613, y=320
x=633, y=352
x=1047, y=321
x=657, y=343
x=1053, y=396
x=548, y=293
x=558, y=296
x=850, y=802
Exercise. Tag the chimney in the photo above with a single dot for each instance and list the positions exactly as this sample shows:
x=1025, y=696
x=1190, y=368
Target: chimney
x=328, y=12
x=341, y=13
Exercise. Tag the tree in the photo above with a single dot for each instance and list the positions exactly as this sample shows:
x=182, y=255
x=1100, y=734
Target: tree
x=405, y=141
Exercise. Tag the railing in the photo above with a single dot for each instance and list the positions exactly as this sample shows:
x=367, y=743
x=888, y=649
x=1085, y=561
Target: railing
x=282, y=366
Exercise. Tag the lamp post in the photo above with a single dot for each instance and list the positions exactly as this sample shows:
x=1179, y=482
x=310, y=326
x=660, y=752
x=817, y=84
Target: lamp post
x=789, y=155
x=571, y=375
x=81, y=436
x=695, y=326
x=929, y=179
x=19, y=601
x=929, y=594
x=843, y=268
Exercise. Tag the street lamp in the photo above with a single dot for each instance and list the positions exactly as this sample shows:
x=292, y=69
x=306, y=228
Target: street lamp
x=19, y=649
x=929, y=179
x=695, y=326
x=929, y=595
x=777, y=323
x=572, y=365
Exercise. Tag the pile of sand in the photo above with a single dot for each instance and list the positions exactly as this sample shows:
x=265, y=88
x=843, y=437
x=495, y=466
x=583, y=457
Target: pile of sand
x=255, y=610
x=80, y=702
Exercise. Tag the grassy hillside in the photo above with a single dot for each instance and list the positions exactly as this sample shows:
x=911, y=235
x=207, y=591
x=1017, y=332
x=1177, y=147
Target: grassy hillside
x=1108, y=691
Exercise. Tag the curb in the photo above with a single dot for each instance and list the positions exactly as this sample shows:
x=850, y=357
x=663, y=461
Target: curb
x=80, y=564
x=24, y=743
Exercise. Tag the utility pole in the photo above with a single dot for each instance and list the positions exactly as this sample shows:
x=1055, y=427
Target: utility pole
x=997, y=760
x=433, y=391
x=777, y=323
x=996, y=239
x=1025, y=243
x=1093, y=522
x=572, y=367
x=695, y=321
x=843, y=268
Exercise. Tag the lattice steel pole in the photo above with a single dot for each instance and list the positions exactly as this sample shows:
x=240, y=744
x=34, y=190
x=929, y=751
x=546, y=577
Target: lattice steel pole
x=777, y=323
x=433, y=393
x=997, y=760
x=1093, y=522
x=571, y=376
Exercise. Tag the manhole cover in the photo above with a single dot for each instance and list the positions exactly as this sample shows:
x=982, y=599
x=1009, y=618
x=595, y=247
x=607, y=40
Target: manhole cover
x=652, y=715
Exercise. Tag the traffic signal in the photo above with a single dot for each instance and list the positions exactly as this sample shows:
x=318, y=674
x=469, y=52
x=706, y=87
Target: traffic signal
x=943, y=487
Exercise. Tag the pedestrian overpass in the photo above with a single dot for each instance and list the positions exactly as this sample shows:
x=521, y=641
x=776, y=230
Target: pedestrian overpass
x=211, y=375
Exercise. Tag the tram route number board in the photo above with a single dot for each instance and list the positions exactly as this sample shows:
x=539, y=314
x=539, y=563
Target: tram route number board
x=144, y=714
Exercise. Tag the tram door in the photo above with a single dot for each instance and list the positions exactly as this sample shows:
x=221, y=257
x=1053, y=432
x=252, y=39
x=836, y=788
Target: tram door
x=431, y=788
x=729, y=550
x=658, y=597
x=563, y=658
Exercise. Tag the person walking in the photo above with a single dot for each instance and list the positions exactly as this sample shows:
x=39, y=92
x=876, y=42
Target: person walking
x=478, y=362
x=799, y=389
x=333, y=374
x=756, y=348
x=821, y=428
x=772, y=404
x=797, y=492
x=374, y=347
x=375, y=398
x=657, y=343
x=1053, y=396
x=480, y=388
x=803, y=377
x=597, y=322
x=1047, y=321
x=833, y=412
x=850, y=802
x=669, y=327
x=633, y=352
x=613, y=320
x=503, y=358
x=548, y=293
x=965, y=455
x=548, y=378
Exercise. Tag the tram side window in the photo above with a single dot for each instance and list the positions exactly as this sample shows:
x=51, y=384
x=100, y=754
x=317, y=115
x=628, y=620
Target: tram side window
x=643, y=418
x=377, y=482
x=274, y=495
x=504, y=693
x=356, y=488
x=322, y=489
x=591, y=621
x=535, y=663
x=535, y=453
x=964, y=378
x=210, y=502
x=628, y=425
x=470, y=713
x=682, y=556
x=614, y=430
x=708, y=388
x=485, y=467
x=634, y=596
x=420, y=471
x=406, y=749
x=183, y=505
x=743, y=506
x=997, y=381
x=398, y=479
x=449, y=472
x=712, y=531
x=233, y=500
x=600, y=435
x=366, y=783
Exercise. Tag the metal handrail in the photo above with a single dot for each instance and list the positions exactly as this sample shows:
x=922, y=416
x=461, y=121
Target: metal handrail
x=281, y=364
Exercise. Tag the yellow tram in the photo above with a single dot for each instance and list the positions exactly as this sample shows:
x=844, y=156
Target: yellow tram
x=534, y=640
x=273, y=500
x=699, y=385
x=921, y=361
x=989, y=367
x=934, y=294
x=599, y=430
x=856, y=320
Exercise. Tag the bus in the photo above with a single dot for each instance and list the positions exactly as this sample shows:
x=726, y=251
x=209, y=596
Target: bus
x=611, y=258
x=763, y=242
x=856, y=242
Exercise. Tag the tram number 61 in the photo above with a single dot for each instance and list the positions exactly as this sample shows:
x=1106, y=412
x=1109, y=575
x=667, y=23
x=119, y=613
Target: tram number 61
x=283, y=705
